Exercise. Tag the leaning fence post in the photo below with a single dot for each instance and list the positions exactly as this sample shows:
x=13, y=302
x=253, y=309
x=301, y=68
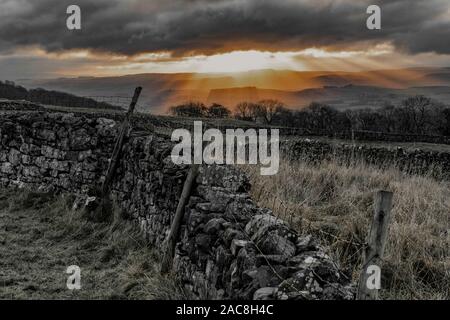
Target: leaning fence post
x=101, y=208
x=119, y=144
x=169, y=250
x=373, y=254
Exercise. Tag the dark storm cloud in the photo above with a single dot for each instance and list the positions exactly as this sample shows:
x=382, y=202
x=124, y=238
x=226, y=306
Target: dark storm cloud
x=200, y=26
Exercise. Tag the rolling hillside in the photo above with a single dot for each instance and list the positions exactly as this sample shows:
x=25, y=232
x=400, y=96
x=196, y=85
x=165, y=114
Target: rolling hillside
x=295, y=89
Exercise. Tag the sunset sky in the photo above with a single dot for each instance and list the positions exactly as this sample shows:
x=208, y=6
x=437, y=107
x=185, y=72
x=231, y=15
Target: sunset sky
x=168, y=36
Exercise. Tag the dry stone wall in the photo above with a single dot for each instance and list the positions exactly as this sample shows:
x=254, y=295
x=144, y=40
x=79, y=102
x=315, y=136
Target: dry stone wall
x=414, y=161
x=54, y=151
x=229, y=248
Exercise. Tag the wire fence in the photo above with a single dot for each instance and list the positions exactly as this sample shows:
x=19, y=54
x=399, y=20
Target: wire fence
x=112, y=102
x=122, y=102
x=292, y=214
x=119, y=101
x=353, y=135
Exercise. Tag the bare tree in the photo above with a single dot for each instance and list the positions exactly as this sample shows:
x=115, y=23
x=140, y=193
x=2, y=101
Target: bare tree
x=417, y=109
x=218, y=111
x=190, y=109
x=267, y=109
x=244, y=110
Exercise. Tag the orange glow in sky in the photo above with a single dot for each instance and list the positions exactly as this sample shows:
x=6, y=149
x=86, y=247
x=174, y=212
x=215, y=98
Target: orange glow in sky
x=311, y=59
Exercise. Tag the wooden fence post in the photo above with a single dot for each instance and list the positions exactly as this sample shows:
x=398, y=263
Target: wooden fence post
x=119, y=144
x=169, y=250
x=373, y=254
x=100, y=210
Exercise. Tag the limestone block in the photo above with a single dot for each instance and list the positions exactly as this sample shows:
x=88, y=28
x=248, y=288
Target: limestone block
x=7, y=168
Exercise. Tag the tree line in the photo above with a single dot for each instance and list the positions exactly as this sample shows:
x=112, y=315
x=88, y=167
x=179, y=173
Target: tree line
x=415, y=115
x=9, y=90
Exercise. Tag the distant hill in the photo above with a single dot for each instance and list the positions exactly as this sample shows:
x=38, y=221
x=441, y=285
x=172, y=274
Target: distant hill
x=294, y=88
x=345, y=97
x=9, y=90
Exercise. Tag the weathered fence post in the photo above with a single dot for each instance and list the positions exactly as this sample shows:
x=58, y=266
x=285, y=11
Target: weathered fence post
x=353, y=146
x=100, y=209
x=373, y=254
x=169, y=250
x=119, y=144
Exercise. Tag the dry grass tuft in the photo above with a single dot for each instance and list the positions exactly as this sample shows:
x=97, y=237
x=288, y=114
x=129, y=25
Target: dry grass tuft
x=334, y=202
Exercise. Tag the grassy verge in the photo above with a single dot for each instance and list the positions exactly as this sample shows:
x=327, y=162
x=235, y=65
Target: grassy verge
x=40, y=236
x=334, y=202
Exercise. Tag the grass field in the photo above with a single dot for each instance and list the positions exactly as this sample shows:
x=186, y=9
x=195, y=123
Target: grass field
x=40, y=236
x=334, y=203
